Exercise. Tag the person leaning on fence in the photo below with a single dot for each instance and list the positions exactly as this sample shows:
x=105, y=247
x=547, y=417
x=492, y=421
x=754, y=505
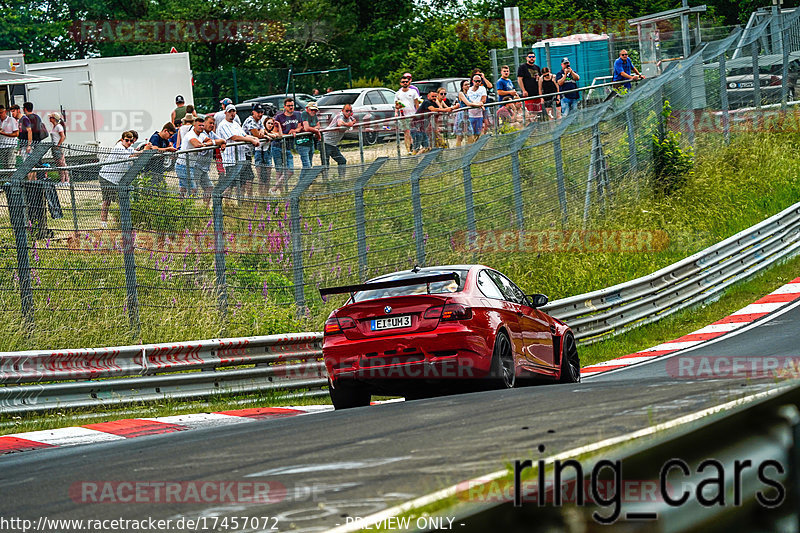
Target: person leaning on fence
x=190, y=165
x=57, y=136
x=199, y=167
x=505, y=87
x=623, y=69
x=333, y=134
x=509, y=114
x=231, y=131
x=567, y=80
x=119, y=161
x=291, y=124
x=444, y=106
x=476, y=98
x=272, y=153
x=9, y=133
x=461, y=122
x=305, y=143
x=255, y=125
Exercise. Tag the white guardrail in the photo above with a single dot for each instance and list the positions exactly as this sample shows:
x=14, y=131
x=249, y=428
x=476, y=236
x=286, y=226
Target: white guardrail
x=40, y=380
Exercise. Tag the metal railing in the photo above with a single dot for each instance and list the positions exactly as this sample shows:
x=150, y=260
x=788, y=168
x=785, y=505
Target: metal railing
x=40, y=380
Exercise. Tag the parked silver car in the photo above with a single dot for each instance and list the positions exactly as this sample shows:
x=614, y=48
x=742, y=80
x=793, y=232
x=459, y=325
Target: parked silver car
x=369, y=104
x=740, y=83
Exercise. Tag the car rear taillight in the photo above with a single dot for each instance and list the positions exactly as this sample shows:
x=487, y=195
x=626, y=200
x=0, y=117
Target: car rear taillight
x=334, y=325
x=456, y=312
x=449, y=312
x=433, y=312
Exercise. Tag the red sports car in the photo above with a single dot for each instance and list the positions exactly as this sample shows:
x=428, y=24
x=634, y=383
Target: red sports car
x=429, y=329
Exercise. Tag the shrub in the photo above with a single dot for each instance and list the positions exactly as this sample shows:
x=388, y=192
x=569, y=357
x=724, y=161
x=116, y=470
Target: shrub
x=672, y=165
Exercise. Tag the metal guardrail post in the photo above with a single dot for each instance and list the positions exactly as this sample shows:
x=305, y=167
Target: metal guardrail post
x=361, y=230
x=516, y=175
x=756, y=75
x=416, y=202
x=397, y=139
x=219, y=237
x=124, y=196
x=723, y=90
x=466, y=162
x=307, y=177
x=18, y=215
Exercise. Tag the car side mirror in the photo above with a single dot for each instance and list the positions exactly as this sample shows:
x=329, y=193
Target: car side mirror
x=538, y=300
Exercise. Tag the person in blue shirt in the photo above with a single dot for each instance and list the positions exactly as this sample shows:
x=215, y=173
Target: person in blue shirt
x=505, y=87
x=623, y=68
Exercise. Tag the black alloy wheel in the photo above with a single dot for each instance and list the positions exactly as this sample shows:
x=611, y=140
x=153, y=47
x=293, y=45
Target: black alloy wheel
x=503, y=370
x=570, y=361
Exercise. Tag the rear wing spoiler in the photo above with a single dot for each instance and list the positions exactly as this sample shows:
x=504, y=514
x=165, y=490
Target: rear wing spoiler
x=426, y=280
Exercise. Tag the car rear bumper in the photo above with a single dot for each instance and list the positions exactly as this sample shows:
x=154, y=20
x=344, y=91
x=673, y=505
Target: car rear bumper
x=436, y=355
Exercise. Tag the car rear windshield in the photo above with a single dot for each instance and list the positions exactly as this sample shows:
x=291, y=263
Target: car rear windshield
x=438, y=287
x=428, y=86
x=338, y=99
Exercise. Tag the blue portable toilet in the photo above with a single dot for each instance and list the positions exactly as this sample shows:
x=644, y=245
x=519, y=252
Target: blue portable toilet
x=587, y=53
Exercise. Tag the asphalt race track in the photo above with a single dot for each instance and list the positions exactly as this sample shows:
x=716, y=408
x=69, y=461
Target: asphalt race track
x=325, y=467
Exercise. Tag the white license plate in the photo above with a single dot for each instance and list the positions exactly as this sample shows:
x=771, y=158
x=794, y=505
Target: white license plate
x=746, y=85
x=391, y=322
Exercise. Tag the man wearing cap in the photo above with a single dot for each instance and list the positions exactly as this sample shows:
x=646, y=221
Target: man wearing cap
x=254, y=125
x=567, y=80
x=305, y=142
x=179, y=112
x=219, y=116
x=232, y=131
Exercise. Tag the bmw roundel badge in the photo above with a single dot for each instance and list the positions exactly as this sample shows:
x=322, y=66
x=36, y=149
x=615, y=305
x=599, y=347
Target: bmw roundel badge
x=387, y=309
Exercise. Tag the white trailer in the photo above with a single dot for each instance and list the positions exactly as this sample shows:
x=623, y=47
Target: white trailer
x=102, y=97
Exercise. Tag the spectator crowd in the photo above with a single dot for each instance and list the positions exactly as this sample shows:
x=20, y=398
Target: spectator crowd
x=268, y=143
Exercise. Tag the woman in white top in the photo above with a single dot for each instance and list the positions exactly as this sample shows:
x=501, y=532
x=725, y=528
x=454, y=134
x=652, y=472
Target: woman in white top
x=58, y=135
x=110, y=174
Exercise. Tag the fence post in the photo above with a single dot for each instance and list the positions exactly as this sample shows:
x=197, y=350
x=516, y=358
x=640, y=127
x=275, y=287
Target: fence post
x=593, y=175
x=397, y=139
x=416, y=202
x=307, y=177
x=723, y=96
x=785, y=65
x=361, y=230
x=466, y=163
x=516, y=175
x=361, y=142
x=493, y=60
x=18, y=215
x=756, y=74
x=219, y=236
x=126, y=225
x=559, y=161
x=632, y=142
x=547, y=57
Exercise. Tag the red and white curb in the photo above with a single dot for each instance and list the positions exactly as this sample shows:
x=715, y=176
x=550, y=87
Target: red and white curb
x=741, y=318
x=140, y=427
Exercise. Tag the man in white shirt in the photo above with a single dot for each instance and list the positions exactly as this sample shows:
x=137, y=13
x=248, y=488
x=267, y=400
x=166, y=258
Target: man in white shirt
x=9, y=132
x=406, y=101
x=232, y=131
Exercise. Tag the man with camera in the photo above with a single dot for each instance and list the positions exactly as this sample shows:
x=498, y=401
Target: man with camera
x=567, y=80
